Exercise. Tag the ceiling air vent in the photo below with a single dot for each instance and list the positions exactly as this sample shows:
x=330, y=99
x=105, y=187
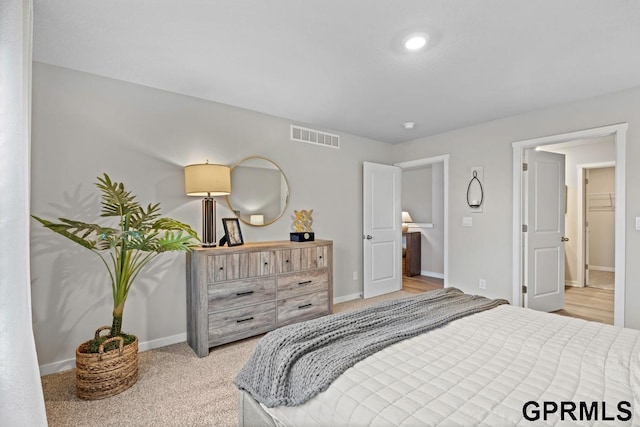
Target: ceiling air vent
x=316, y=137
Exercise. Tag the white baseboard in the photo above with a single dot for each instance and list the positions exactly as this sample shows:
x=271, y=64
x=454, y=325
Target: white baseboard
x=346, y=298
x=65, y=365
x=596, y=267
x=432, y=274
x=162, y=342
x=52, y=368
x=573, y=283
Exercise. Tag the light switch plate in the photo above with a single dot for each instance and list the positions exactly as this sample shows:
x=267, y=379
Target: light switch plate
x=638, y=223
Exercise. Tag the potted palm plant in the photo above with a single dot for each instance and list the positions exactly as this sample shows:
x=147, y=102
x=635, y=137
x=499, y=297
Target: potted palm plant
x=108, y=364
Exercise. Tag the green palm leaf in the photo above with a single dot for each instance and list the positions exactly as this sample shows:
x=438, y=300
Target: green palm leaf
x=116, y=201
x=141, y=235
x=175, y=242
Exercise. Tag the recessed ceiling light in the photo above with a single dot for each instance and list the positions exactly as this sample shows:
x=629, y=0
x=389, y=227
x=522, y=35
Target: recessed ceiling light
x=409, y=125
x=416, y=41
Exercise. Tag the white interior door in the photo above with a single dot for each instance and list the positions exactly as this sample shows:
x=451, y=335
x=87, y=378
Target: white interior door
x=382, y=272
x=544, y=239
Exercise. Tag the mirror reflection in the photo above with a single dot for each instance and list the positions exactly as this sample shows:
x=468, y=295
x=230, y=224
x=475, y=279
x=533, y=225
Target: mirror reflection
x=259, y=191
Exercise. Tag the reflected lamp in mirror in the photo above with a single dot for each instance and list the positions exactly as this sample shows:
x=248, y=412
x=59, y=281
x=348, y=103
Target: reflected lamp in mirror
x=406, y=219
x=207, y=180
x=256, y=219
x=260, y=188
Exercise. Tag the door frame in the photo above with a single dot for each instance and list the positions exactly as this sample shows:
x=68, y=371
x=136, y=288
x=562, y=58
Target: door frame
x=444, y=159
x=581, y=215
x=619, y=132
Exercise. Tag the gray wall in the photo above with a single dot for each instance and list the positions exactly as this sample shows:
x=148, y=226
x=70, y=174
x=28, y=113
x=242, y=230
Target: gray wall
x=416, y=194
x=84, y=125
x=433, y=238
x=485, y=250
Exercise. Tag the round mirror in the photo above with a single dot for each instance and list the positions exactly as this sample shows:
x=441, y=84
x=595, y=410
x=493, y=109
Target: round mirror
x=259, y=191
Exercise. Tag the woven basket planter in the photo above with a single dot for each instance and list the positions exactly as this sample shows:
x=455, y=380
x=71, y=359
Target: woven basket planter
x=106, y=373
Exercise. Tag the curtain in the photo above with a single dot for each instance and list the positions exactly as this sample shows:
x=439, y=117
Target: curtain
x=21, y=399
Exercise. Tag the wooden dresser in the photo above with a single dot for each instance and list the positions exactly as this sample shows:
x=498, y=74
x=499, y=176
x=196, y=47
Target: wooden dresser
x=412, y=255
x=240, y=291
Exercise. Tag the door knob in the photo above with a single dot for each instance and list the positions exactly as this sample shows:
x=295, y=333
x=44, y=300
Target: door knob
x=564, y=239
x=368, y=237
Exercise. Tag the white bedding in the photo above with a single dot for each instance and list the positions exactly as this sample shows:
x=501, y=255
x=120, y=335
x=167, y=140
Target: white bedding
x=481, y=370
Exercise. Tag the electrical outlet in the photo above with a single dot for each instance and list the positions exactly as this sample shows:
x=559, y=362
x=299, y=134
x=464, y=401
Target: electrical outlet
x=355, y=275
x=482, y=284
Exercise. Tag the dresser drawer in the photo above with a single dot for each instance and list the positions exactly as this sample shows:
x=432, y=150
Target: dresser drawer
x=232, y=325
x=288, y=260
x=291, y=284
x=237, y=293
x=240, y=265
x=303, y=307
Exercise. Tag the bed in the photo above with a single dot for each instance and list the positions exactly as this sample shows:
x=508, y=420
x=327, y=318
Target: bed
x=502, y=366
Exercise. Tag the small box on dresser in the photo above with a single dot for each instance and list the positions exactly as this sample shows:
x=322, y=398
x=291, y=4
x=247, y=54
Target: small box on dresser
x=241, y=291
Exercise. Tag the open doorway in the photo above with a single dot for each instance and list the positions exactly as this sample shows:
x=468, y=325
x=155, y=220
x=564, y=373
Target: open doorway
x=618, y=135
x=425, y=199
x=382, y=233
x=589, y=227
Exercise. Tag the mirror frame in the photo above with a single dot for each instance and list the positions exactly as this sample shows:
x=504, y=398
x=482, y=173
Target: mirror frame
x=286, y=204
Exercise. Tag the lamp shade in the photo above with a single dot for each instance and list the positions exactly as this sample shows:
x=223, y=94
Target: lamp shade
x=406, y=217
x=207, y=180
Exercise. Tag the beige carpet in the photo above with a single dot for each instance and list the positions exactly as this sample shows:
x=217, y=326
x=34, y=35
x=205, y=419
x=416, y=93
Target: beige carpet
x=174, y=388
x=601, y=279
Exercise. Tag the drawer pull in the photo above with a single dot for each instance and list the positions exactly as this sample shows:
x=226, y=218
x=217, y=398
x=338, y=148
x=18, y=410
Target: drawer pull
x=221, y=268
x=240, y=294
x=286, y=260
x=244, y=320
x=304, y=306
x=266, y=263
x=306, y=282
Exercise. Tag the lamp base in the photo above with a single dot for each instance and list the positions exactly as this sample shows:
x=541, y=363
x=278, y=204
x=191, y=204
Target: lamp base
x=209, y=223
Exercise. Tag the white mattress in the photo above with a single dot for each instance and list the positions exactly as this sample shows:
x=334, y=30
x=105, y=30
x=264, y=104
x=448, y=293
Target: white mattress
x=481, y=370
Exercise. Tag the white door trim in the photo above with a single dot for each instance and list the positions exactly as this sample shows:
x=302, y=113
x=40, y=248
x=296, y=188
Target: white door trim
x=619, y=133
x=430, y=161
x=581, y=227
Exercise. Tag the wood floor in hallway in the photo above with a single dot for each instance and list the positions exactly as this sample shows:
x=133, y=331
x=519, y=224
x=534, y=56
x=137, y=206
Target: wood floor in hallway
x=588, y=303
x=416, y=284
x=584, y=303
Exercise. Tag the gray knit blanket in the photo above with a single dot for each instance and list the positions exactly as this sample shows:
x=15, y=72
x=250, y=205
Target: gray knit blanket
x=292, y=364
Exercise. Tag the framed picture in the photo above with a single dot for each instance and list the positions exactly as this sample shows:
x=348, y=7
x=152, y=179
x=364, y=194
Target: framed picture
x=232, y=231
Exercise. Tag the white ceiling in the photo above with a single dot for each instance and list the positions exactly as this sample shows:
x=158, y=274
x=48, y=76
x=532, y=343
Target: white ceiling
x=339, y=65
